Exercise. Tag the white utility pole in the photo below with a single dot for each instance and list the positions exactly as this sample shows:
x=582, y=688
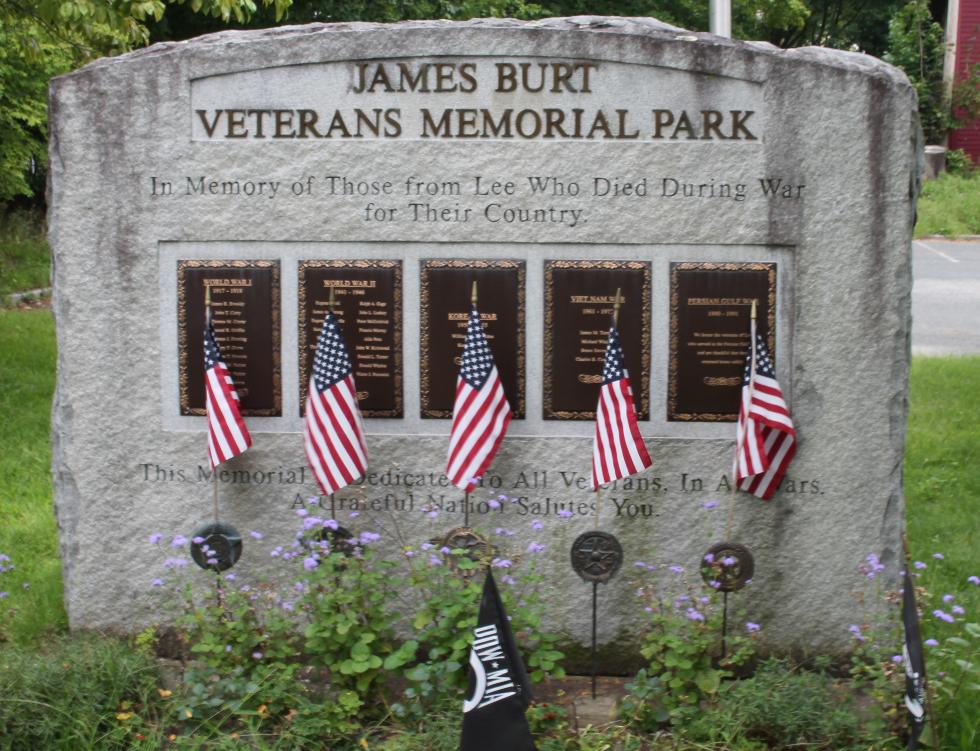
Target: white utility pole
x=720, y=13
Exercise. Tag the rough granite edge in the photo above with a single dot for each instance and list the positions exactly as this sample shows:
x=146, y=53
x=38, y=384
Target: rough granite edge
x=621, y=25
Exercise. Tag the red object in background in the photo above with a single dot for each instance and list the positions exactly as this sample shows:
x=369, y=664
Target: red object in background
x=967, y=54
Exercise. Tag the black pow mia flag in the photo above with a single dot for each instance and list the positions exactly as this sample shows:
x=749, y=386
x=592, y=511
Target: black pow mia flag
x=499, y=691
x=915, y=665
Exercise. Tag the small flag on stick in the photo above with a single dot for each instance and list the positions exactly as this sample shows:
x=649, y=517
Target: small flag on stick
x=227, y=435
x=499, y=690
x=618, y=450
x=914, y=662
x=332, y=429
x=765, y=440
x=481, y=411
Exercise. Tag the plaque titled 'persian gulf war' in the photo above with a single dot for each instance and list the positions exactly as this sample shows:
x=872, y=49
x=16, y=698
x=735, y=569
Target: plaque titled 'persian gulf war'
x=245, y=315
x=578, y=306
x=710, y=310
x=446, y=287
x=368, y=305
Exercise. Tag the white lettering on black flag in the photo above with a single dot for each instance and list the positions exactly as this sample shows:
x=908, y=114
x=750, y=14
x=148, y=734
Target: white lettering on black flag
x=499, y=690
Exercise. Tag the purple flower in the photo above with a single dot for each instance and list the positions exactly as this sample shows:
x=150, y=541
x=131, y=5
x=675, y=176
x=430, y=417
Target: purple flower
x=301, y=512
x=4, y=595
x=648, y=609
x=640, y=564
x=175, y=563
x=683, y=598
x=729, y=561
x=694, y=615
x=354, y=514
x=154, y=539
x=856, y=631
x=896, y=659
x=230, y=576
x=256, y=655
x=920, y=565
x=277, y=552
x=331, y=524
x=299, y=586
x=714, y=584
x=508, y=580
x=178, y=542
x=493, y=503
x=709, y=557
x=872, y=566
x=974, y=580
x=427, y=546
x=943, y=616
x=197, y=540
x=938, y=556
x=445, y=550
x=535, y=547
x=435, y=560
x=256, y=535
x=212, y=561
x=536, y=525
x=931, y=643
x=565, y=513
x=227, y=647
x=503, y=532
x=501, y=563
x=312, y=521
x=708, y=505
x=957, y=610
x=752, y=627
x=369, y=537
x=409, y=553
x=676, y=569
x=310, y=563
x=433, y=514
x=947, y=598
x=287, y=605
x=156, y=583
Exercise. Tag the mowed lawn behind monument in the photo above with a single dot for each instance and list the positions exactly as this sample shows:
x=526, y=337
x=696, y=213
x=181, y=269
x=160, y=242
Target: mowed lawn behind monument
x=942, y=469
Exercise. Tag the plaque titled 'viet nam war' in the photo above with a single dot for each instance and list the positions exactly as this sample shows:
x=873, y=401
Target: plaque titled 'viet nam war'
x=245, y=315
x=578, y=306
x=368, y=305
x=710, y=310
x=446, y=287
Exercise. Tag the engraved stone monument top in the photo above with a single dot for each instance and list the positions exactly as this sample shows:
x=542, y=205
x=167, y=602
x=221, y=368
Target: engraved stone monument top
x=562, y=159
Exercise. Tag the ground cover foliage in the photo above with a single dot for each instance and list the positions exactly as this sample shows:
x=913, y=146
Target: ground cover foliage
x=298, y=676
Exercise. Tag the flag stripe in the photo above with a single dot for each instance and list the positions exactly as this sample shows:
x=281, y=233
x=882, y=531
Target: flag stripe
x=227, y=435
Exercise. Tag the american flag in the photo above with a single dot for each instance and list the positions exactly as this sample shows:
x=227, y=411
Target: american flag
x=618, y=450
x=765, y=440
x=227, y=435
x=481, y=411
x=332, y=432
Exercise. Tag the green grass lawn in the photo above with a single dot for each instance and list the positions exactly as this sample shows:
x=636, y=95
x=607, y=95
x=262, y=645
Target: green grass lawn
x=950, y=205
x=25, y=262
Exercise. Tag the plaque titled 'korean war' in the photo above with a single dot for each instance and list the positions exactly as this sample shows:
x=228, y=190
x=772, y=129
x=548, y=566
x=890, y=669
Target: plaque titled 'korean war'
x=710, y=319
x=446, y=287
x=245, y=315
x=368, y=305
x=578, y=307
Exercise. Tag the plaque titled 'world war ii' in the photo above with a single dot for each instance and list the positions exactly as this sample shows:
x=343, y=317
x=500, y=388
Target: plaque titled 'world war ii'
x=446, y=287
x=245, y=315
x=578, y=308
x=710, y=318
x=368, y=305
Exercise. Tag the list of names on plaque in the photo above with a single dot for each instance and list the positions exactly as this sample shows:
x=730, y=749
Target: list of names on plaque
x=368, y=306
x=446, y=287
x=245, y=316
x=710, y=319
x=578, y=313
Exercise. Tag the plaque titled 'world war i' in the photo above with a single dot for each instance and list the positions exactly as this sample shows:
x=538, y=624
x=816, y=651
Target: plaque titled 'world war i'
x=710, y=318
x=368, y=305
x=245, y=315
x=578, y=306
x=446, y=287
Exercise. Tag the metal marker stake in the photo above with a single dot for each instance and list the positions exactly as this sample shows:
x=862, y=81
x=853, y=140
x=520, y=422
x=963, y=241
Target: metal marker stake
x=466, y=495
x=595, y=657
x=724, y=624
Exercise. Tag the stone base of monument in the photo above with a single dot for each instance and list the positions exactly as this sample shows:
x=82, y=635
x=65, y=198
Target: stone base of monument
x=574, y=693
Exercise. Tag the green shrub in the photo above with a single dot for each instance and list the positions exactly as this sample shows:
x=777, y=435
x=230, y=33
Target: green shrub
x=76, y=694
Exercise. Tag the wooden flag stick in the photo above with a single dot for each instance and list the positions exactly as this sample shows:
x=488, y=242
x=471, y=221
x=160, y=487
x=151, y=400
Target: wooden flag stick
x=473, y=296
x=617, y=303
x=738, y=444
x=207, y=318
x=330, y=301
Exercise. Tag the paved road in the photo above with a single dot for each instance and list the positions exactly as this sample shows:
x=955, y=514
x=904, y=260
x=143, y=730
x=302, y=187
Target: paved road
x=946, y=297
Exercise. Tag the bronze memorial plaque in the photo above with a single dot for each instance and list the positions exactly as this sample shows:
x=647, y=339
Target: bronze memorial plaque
x=710, y=309
x=245, y=314
x=578, y=306
x=368, y=305
x=445, y=299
